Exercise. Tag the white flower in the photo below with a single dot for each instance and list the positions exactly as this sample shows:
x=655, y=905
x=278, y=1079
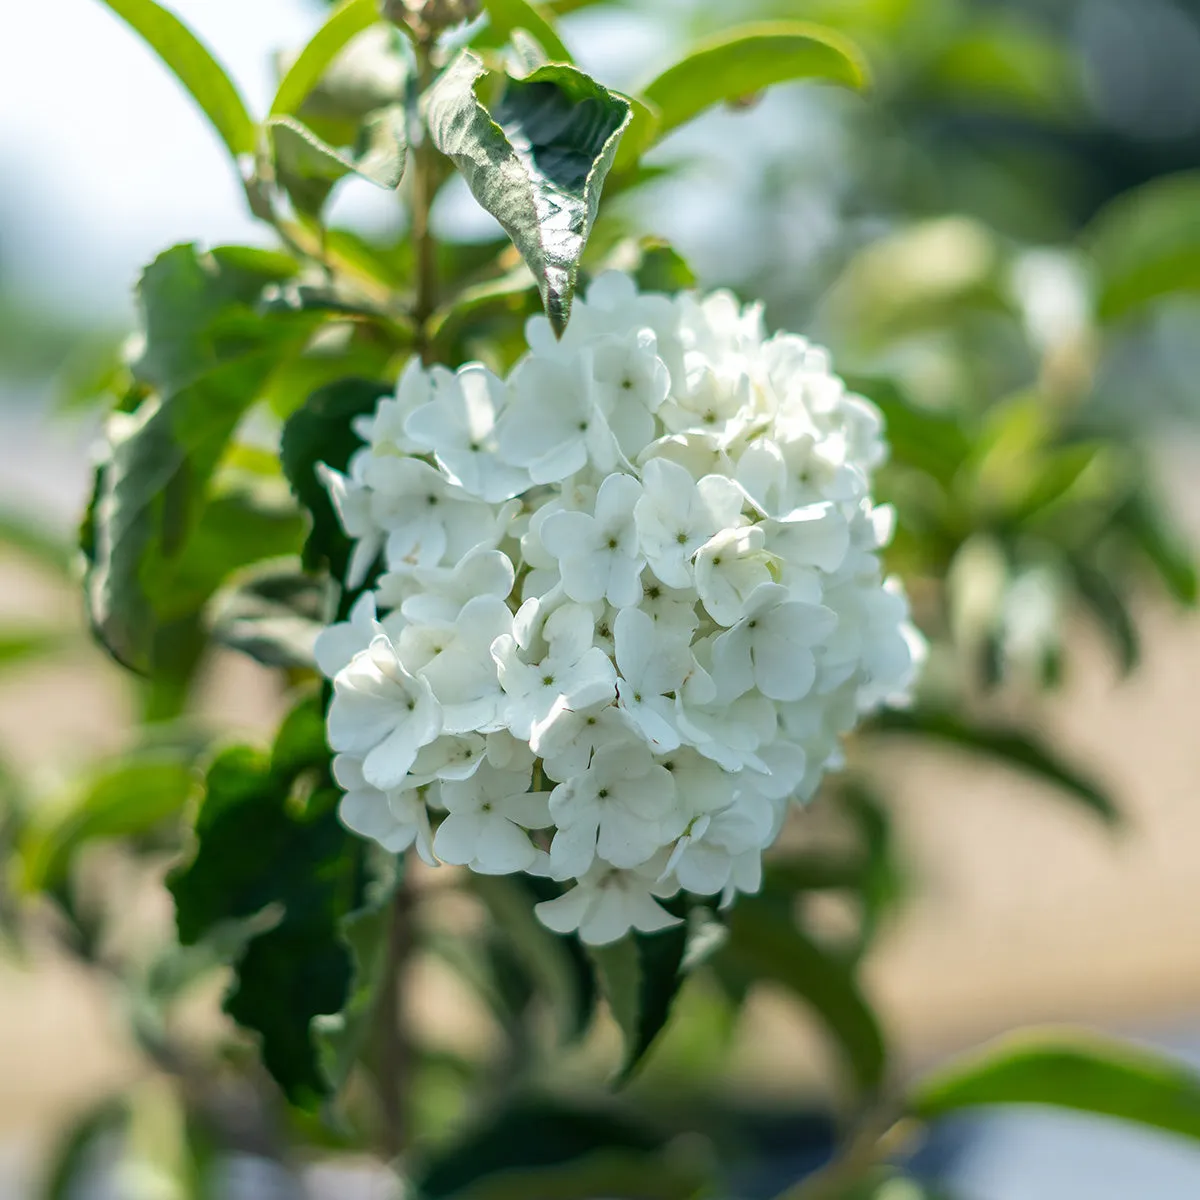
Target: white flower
x=396, y=819
x=771, y=647
x=458, y=425
x=382, y=713
x=675, y=516
x=644, y=570
x=487, y=822
x=606, y=904
x=620, y=809
x=573, y=671
x=651, y=665
x=552, y=426
x=598, y=555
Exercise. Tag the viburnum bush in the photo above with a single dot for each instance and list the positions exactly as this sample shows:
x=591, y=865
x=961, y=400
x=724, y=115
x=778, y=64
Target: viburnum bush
x=630, y=601
x=574, y=574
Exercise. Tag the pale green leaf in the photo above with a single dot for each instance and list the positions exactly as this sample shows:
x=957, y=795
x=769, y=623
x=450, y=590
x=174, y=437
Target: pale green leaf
x=742, y=62
x=1068, y=1070
x=194, y=66
x=342, y=25
x=537, y=163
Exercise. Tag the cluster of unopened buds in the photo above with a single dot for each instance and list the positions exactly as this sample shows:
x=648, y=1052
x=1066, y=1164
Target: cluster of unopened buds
x=625, y=603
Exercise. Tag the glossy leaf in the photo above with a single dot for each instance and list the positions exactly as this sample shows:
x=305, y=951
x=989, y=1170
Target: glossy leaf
x=343, y=24
x=764, y=944
x=194, y=66
x=1146, y=245
x=537, y=162
x=1013, y=748
x=268, y=837
x=1068, y=1070
x=321, y=432
x=505, y=16
x=122, y=799
x=745, y=60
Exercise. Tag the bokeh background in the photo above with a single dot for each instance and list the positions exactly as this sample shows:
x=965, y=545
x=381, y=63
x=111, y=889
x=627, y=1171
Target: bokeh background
x=950, y=232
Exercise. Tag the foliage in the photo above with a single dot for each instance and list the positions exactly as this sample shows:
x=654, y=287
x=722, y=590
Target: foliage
x=1006, y=488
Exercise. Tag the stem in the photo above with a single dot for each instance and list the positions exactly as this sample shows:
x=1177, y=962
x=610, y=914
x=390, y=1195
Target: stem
x=396, y=1052
x=876, y=1139
x=423, y=187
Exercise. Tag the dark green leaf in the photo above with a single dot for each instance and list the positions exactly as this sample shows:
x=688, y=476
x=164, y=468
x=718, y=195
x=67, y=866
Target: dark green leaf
x=1012, y=747
x=537, y=163
x=1146, y=245
x=268, y=837
x=505, y=16
x=274, y=617
x=321, y=432
x=534, y=1134
x=765, y=944
x=194, y=66
x=342, y=25
x=1108, y=606
x=1068, y=1070
x=642, y=973
x=366, y=932
x=743, y=61
x=653, y=263
x=122, y=799
x=558, y=966
x=1144, y=521
x=309, y=167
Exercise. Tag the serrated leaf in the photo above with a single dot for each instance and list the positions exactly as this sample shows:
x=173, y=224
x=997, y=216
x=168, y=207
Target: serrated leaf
x=343, y=24
x=1069, y=1070
x=1012, y=747
x=321, y=432
x=537, y=163
x=194, y=66
x=365, y=932
x=642, y=973
x=267, y=835
x=122, y=799
x=505, y=16
x=744, y=61
x=764, y=944
x=309, y=167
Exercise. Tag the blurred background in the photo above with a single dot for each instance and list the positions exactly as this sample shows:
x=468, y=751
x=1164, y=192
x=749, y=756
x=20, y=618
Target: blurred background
x=1003, y=232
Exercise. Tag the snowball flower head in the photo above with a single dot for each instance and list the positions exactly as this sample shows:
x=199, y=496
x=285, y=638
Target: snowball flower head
x=613, y=612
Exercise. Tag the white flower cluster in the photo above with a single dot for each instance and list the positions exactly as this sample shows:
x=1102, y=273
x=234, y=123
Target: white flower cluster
x=631, y=600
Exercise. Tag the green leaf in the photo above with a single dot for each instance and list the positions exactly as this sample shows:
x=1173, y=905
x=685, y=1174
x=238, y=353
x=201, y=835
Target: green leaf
x=194, y=66
x=1068, y=1070
x=19, y=644
x=1143, y=519
x=641, y=975
x=342, y=25
x=1145, y=245
x=268, y=836
x=558, y=966
x=209, y=352
x=537, y=163
x=505, y=16
x=309, y=167
x=71, y=1163
x=28, y=536
x=765, y=944
x=122, y=799
x=366, y=933
x=274, y=617
x=744, y=61
x=1012, y=747
x=655, y=265
x=550, y=1146
x=321, y=432
x=1108, y=606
